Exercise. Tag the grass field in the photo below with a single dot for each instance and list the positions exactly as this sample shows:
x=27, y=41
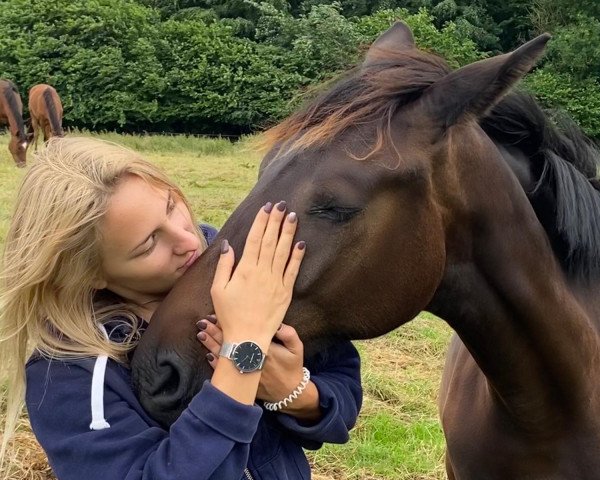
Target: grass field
x=398, y=434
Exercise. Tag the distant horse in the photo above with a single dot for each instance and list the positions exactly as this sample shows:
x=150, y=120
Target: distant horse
x=46, y=111
x=11, y=114
x=411, y=198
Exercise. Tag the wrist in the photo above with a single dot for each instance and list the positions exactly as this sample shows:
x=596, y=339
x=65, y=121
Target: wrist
x=262, y=341
x=294, y=401
x=306, y=407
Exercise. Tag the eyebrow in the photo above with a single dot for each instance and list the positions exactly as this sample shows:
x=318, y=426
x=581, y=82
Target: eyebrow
x=134, y=249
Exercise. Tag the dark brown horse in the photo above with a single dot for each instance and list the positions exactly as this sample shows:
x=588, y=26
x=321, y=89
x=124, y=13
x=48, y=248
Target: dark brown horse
x=11, y=114
x=46, y=111
x=414, y=193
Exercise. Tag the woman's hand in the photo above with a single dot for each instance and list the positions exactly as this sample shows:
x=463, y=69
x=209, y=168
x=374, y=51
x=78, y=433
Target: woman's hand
x=282, y=371
x=251, y=303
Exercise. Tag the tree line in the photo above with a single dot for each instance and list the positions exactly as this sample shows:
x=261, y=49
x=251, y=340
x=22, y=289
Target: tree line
x=235, y=66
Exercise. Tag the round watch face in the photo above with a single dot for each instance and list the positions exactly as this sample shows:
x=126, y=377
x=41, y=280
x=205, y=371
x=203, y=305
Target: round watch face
x=247, y=357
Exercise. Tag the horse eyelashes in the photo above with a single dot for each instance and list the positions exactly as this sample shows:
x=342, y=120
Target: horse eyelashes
x=336, y=214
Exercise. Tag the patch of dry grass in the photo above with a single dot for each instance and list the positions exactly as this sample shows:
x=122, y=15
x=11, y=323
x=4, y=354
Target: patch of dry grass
x=26, y=459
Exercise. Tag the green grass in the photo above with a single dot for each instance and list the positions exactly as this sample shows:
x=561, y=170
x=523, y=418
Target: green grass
x=398, y=434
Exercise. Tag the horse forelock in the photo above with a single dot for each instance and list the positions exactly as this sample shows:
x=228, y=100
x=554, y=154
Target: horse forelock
x=565, y=163
x=367, y=96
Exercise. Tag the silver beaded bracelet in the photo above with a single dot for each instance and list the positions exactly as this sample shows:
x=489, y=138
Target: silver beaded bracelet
x=273, y=407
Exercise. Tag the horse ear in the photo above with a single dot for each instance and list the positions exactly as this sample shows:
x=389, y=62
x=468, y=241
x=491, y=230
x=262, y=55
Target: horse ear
x=396, y=38
x=473, y=90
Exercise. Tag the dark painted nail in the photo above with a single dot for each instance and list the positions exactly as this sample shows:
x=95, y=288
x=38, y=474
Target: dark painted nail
x=292, y=217
x=301, y=245
x=281, y=206
x=202, y=336
x=224, y=246
x=201, y=324
x=212, y=318
x=268, y=207
x=210, y=357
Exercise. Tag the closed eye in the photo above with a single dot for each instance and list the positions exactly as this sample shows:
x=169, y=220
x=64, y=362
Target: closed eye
x=334, y=213
x=148, y=251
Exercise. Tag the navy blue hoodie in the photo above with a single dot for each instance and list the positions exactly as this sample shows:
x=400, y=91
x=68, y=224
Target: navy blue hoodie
x=86, y=417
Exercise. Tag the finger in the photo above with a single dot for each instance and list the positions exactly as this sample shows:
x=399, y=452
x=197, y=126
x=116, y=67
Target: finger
x=271, y=237
x=212, y=360
x=215, y=332
x=224, y=266
x=210, y=343
x=288, y=336
x=284, y=246
x=293, y=267
x=255, y=235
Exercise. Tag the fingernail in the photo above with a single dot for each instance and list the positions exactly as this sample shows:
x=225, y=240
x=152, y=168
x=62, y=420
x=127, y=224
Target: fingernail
x=201, y=324
x=210, y=357
x=268, y=207
x=281, y=206
x=279, y=327
x=301, y=245
x=292, y=217
x=224, y=246
x=212, y=318
x=201, y=336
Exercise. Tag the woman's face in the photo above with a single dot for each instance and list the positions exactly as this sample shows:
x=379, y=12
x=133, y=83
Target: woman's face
x=148, y=241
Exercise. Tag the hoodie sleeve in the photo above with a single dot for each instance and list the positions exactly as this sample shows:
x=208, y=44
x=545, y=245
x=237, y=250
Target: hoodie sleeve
x=336, y=374
x=209, y=441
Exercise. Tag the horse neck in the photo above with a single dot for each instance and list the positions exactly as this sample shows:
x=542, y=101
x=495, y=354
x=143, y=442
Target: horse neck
x=506, y=296
x=13, y=111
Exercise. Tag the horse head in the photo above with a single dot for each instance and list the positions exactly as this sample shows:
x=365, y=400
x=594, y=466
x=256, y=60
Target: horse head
x=376, y=169
x=17, y=146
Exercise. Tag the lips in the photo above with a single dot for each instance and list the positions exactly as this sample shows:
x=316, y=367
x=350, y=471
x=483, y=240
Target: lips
x=193, y=257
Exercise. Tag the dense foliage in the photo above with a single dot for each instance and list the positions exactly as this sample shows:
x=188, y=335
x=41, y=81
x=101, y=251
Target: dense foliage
x=230, y=66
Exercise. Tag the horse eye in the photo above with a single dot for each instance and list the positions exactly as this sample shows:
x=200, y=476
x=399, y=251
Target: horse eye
x=334, y=213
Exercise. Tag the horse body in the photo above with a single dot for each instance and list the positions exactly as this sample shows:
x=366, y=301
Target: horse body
x=407, y=204
x=46, y=112
x=11, y=114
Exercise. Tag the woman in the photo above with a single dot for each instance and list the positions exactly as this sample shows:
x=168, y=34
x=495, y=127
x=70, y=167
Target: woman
x=97, y=239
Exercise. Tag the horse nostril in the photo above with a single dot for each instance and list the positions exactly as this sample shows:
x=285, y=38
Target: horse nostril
x=164, y=386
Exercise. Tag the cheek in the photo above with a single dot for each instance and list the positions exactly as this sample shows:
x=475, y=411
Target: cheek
x=158, y=264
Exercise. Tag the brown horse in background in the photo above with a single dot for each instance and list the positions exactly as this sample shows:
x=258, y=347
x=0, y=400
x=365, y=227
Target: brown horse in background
x=46, y=111
x=11, y=114
x=421, y=188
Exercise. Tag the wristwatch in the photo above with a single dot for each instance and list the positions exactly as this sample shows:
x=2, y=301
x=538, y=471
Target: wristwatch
x=246, y=356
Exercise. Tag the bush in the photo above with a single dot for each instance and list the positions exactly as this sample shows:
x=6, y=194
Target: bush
x=99, y=55
x=579, y=98
x=449, y=42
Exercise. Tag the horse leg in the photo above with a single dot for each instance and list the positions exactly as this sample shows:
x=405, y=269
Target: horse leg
x=47, y=131
x=36, y=131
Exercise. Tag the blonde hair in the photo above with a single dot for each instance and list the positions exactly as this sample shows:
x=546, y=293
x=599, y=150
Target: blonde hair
x=52, y=259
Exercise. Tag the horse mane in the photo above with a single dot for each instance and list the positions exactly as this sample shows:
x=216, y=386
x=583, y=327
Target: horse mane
x=564, y=163
x=563, y=160
x=363, y=96
x=55, y=123
x=10, y=92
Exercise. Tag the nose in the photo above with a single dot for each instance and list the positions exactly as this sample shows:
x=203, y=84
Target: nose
x=184, y=240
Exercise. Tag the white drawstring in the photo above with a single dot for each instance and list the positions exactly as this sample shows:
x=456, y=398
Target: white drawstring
x=97, y=403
